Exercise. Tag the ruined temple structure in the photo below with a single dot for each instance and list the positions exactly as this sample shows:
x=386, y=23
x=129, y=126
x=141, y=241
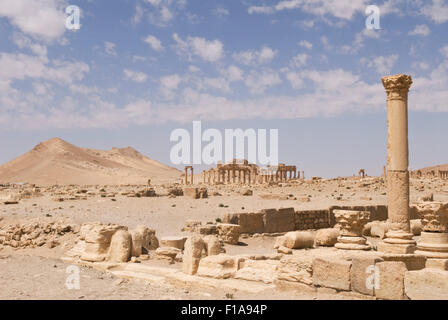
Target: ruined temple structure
x=362, y=173
x=241, y=171
x=419, y=174
x=186, y=175
x=443, y=174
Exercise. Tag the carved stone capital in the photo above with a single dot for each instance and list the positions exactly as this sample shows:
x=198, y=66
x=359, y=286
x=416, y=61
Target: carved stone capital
x=434, y=216
x=351, y=222
x=397, y=86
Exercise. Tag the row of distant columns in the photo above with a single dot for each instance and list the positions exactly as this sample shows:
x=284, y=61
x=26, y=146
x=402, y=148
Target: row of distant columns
x=245, y=176
x=281, y=175
x=443, y=174
x=240, y=176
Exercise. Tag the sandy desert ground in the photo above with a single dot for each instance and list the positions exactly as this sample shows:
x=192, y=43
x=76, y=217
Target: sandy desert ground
x=37, y=272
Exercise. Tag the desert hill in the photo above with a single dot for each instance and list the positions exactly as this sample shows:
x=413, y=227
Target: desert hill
x=58, y=162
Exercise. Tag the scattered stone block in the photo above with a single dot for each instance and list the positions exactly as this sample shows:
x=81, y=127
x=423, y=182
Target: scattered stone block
x=196, y=193
x=258, y=270
x=98, y=238
x=296, y=268
x=208, y=229
x=327, y=237
x=412, y=261
x=396, y=248
x=167, y=252
x=362, y=274
x=213, y=245
x=177, y=192
x=192, y=193
x=219, y=267
x=298, y=240
x=416, y=227
x=174, y=242
x=229, y=233
x=332, y=273
x=120, y=246
x=194, y=248
x=137, y=236
x=426, y=284
x=284, y=250
x=391, y=280
x=192, y=225
x=441, y=264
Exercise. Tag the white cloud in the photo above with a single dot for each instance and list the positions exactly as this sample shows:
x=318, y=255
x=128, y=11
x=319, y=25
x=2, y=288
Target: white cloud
x=137, y=58
x=255, y=57
x=23, y=42
x=444, y=51
x=299, y=60
x=328, y=93
x=382, y=64
x=208, y=50
x=421, y=65
x=211, y=51
x=437, y=11
x=341, y=9
x=162, y=12
x=221, y=12
x=306, y=44
x=171, y=82
x=38, y=18
x=258, y=82
x=218, y=83
x=168, y=84
x=21, y=66
x=260, y=9
x=360, y=40
x=137, y=111
x=287, y=5
x=138, y=16
x=109, y=47
x=421, y=29
x=193, y=69
x=135, y=76
x=155, y=43
x=295, y=79
x=326, y=43
x=233, y=73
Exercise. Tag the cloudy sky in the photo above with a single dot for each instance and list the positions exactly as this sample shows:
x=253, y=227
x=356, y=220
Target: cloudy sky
x=137, y=69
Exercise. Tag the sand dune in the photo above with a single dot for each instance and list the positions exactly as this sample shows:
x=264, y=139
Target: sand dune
x=58, y=162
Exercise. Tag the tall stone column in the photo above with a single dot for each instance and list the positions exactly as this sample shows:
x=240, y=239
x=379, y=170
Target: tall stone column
x=399, y=239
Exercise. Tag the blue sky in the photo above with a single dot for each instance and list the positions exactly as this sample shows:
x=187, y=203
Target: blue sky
x=137, y=69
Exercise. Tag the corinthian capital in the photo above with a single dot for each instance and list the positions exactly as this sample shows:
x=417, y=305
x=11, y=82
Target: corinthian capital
x=434, y=216
x=396, y=83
